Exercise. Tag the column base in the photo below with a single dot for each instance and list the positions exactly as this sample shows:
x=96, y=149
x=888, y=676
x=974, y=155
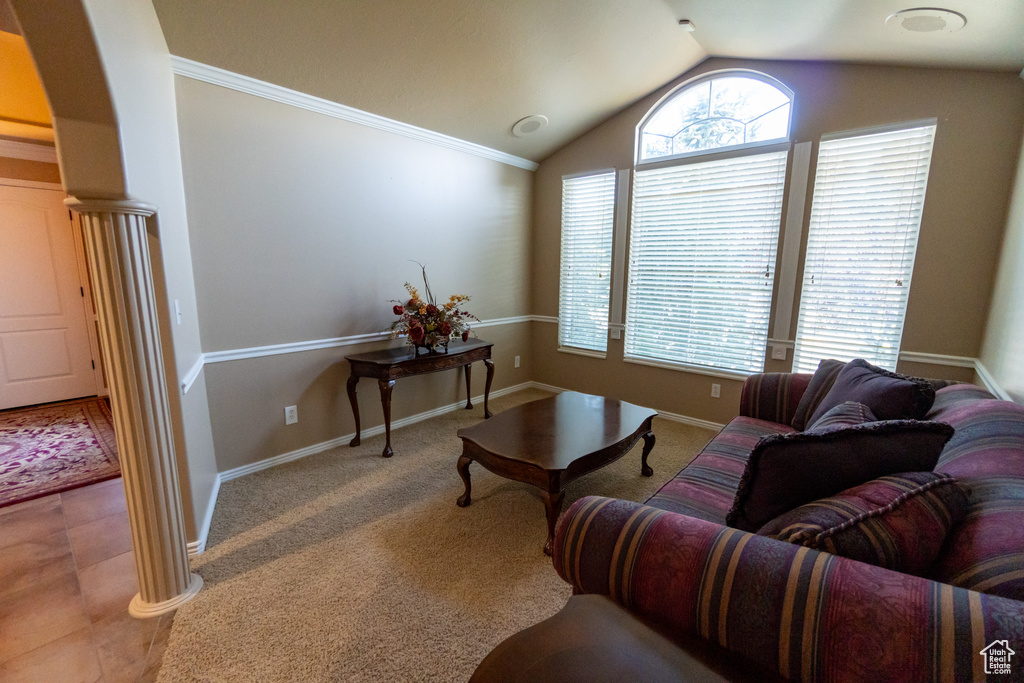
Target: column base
x=147, y=610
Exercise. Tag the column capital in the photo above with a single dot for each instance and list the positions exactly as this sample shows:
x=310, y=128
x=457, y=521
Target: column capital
x=123, y=206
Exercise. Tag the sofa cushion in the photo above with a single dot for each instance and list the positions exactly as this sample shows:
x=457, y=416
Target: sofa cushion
x=898, y=521
x=985, y=552
x=822, y=381
x=705, y=488
x=889, y=396
x=788, y=470
x=844, y=415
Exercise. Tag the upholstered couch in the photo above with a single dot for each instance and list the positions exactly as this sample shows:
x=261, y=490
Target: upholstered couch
x=769, y=608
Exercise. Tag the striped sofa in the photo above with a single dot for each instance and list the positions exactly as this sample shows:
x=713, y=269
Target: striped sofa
x=808, y=615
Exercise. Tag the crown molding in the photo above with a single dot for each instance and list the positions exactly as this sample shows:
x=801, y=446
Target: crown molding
x=28, y=151
x=246, y=84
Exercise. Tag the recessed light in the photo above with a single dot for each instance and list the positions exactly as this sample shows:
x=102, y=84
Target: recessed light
x=926, y=20
x=687, y=25
x=529, y=124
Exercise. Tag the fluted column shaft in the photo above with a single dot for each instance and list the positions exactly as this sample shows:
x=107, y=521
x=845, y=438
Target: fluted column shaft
x=122, y=278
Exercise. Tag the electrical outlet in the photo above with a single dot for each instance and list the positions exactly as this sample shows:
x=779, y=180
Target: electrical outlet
x=291, y=415
x=517, y=361
x=778, y=352
x=716, y=391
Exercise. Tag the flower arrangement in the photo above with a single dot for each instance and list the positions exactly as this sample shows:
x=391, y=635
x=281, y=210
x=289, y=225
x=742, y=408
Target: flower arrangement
x=425, y=323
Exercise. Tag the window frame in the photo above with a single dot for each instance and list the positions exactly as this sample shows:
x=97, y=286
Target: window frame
x=639, y=163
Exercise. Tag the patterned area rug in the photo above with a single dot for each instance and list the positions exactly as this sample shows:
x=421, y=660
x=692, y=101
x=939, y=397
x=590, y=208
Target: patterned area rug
x=55, y=447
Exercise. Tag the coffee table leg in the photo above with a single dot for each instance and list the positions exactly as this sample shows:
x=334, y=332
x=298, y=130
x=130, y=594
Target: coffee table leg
x=645, y=469
x=469, y=402
x=463, y=467
x=552, y=506
x=352, y=382
x=487, y=388
x=385, y=400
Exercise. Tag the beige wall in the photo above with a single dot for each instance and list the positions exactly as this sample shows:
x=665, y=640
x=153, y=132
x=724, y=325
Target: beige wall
x=980, y=117
x=303, y=227
x=1003, y=350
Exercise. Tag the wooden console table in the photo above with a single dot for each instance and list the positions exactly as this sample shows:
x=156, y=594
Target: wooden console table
x=390, y=364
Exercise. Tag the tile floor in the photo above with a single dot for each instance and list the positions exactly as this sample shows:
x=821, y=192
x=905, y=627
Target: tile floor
x=67, y=574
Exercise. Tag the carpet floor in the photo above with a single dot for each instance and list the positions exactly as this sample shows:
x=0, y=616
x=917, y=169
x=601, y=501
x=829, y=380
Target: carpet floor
x=344, y=566
x=55, y=447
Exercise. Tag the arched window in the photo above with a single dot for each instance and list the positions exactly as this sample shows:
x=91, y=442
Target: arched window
x=705, y=226
x=724, y=110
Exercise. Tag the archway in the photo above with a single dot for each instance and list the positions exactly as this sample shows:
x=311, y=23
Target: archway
x=77, y=46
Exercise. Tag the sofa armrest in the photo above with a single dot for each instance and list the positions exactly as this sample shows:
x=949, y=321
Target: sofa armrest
x=773, y=396
x=805, y=614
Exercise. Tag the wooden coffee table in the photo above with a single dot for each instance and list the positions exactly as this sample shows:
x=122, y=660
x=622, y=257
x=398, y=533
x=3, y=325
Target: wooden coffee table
x=553, y=441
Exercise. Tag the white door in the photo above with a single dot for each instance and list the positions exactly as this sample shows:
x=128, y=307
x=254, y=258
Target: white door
x=45, y=353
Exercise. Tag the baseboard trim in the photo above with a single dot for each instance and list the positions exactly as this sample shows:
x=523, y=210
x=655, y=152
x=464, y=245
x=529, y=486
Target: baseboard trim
x=276, y=460
x=276, y=93
x=692, y=421
x=199, y=545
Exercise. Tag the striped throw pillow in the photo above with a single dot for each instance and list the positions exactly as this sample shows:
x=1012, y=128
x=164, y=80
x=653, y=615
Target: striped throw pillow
x=899, y=521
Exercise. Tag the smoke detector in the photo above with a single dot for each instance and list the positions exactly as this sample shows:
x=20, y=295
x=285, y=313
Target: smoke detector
x=529, y=124
x=926, y=20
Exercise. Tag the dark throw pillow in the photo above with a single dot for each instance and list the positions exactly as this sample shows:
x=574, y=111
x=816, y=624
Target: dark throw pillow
x=898, y=521
x=890, y=396
x=788, y=470
x=844, y=415
x=824, y=378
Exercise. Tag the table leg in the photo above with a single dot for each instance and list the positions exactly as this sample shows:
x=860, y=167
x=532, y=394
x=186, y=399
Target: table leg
x=645, y=469
x=463, y=468
x=385, y=401
x=487, y=387
x=352, y=382
x=469, y=402
x=552, y=506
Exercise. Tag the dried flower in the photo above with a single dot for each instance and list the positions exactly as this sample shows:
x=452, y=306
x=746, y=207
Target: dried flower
x=428, y=324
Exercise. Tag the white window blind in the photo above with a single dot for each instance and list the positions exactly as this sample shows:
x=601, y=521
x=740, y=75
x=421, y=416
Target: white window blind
x=865, y=218
x=588, y=205
x=702, y=261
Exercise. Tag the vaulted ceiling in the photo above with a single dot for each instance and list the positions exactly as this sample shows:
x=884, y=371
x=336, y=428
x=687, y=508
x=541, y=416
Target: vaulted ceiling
x=472, y=68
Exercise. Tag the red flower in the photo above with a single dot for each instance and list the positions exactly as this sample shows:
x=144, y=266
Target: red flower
x=446, y=328
x=413, y=303
x=398, y=310
x=465, y=336
x=416, y=333
x=431, y=310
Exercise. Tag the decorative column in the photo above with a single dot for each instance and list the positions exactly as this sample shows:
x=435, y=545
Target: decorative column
x=122, y=279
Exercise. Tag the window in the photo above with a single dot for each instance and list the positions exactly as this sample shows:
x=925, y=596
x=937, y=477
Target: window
x=702, y=261
x=722, y=111
x=865, y=218
x=705, y=225
x=588, y=204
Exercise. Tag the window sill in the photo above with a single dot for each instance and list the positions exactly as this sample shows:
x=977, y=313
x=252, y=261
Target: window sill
x=683, y=367
x=583, y=352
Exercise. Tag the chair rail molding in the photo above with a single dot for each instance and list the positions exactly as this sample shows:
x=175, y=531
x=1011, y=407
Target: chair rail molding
x=121, y=271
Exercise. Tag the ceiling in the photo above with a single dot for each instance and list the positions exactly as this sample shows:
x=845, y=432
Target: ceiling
x=472, y=68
